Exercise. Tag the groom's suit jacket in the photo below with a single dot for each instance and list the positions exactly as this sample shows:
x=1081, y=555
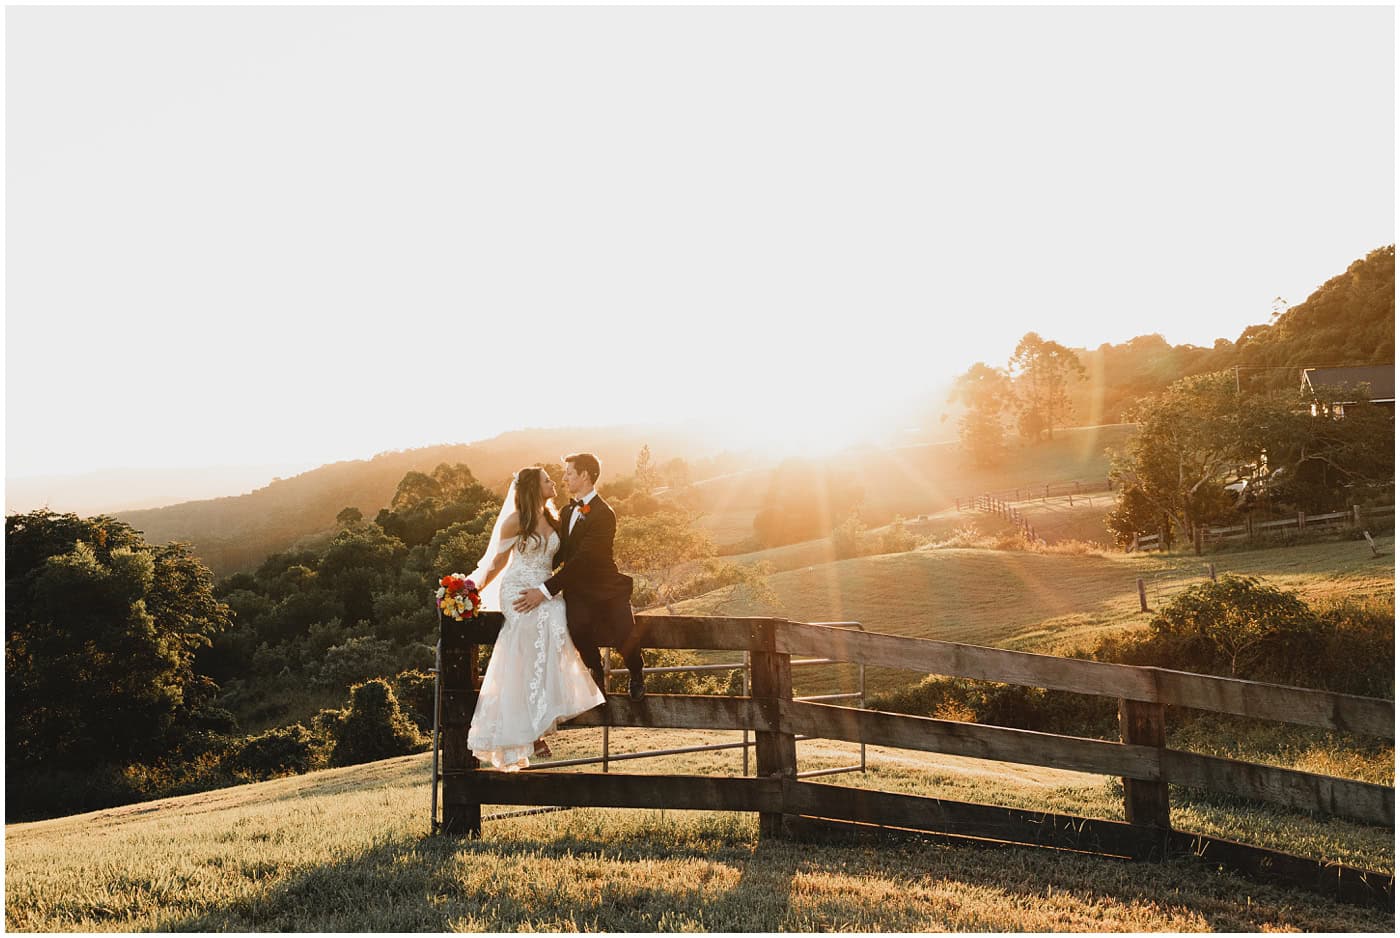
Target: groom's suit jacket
x=588, y=571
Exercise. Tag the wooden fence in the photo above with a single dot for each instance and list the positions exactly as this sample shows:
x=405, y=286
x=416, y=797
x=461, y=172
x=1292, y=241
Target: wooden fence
x=788, y=806
x=1010, y=512
x=1206, y=534
x=1354, y=517
x=1038, y=491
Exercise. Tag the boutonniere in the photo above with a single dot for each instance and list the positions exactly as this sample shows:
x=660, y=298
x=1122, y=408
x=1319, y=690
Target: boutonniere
x=584, y=509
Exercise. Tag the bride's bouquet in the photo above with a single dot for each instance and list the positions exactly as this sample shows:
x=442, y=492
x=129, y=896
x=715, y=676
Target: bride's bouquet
x=458, y=597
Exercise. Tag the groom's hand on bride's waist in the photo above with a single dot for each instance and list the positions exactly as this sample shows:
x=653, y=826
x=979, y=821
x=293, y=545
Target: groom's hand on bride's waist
x=529, y=600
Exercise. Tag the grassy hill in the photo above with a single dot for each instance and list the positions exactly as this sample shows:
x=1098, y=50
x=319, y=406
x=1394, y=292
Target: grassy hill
x=348, y=850
x=1032, y=601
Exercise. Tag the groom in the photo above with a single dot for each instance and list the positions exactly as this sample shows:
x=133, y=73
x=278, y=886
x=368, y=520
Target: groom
x=597, y=596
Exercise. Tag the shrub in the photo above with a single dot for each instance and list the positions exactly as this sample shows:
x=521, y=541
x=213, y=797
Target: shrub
x=850, y=539
x=1358, y=654
x=1242, y=628
x=414, y=690
x=896, y=539
x=287, y=749
x=214, y=720
x=1238, y=627
x=1029, y=708
x=373, y=727
x=358, y=658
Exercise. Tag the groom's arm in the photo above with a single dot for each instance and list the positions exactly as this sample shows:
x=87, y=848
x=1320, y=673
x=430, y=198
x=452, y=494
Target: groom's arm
x=594, y=549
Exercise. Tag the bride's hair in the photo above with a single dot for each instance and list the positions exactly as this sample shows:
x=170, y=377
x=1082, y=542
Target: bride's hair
x=530, y=503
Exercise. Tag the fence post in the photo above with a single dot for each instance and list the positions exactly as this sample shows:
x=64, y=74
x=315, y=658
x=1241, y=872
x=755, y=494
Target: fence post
x=1144, y=724
x=1199, y=536
x=1302, y=520
x=1135, y=544
x=461, y=805
x=1356, y=515
x=1212, y=572
x=1249, y=526
x=776, y=752
x=1142, y=594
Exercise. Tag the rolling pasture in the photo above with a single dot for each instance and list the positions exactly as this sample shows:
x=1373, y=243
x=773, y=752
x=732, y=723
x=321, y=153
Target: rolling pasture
x=348, y=850
x=1040, y=601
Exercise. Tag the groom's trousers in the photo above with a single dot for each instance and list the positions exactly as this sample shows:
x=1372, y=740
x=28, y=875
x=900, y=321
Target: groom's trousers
x=595, y=622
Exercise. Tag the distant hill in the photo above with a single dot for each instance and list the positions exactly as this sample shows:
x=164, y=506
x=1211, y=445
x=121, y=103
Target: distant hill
x=111, y=490
x=238, y=532
x=1349, y=320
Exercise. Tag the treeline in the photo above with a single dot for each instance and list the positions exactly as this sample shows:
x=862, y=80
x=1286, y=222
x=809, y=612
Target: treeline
x=1349, y=320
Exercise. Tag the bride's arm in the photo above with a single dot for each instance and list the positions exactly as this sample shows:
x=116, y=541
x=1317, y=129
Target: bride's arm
x=510, y=530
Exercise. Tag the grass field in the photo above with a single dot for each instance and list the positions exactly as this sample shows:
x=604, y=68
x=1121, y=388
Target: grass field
x=1041, y=601
x=347, y=850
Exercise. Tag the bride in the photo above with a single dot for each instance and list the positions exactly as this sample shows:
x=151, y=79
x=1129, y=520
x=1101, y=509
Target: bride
x=535, y=677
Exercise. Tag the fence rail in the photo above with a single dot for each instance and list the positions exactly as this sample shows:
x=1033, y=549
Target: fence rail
x=1037, y=491
x=1354, y=517
x=1140, y=757
x=1206, y=534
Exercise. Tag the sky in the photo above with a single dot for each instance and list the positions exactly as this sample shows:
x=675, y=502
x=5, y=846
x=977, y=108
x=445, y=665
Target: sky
x=262, y=235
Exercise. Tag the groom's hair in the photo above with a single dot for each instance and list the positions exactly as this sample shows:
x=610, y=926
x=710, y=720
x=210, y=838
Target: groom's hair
x=586, y=462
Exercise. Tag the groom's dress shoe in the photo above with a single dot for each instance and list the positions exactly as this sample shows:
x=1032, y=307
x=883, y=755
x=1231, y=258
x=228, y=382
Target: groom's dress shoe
x=636, y=686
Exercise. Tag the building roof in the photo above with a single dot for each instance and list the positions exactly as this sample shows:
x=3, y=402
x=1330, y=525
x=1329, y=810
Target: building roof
x=1381, y=378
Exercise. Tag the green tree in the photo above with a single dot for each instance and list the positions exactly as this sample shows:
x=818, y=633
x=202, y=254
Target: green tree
x=985, y=392
x=358, y=563
x=373, y=726
x=102, y=630
x=646, y=472
x=415, y=487
x=675, y=473
x=1043, y=371
x=656, y=549
x=1192, y=440
x=851, y=538
x=1330, y=460
x=425, y=504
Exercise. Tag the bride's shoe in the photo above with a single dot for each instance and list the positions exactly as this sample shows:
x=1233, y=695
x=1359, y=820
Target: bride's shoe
x=542, y=750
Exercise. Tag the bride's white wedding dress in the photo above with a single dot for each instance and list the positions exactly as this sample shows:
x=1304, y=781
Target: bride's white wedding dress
x=535, y=677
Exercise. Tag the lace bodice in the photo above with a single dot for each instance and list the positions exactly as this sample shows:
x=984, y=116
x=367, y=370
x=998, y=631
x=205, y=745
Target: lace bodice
x=533, y=560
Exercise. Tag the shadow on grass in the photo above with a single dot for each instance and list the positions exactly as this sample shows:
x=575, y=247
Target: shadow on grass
x=637, y=882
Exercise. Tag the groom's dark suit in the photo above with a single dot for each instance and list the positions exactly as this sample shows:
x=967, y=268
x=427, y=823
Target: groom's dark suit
x=597, y=595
